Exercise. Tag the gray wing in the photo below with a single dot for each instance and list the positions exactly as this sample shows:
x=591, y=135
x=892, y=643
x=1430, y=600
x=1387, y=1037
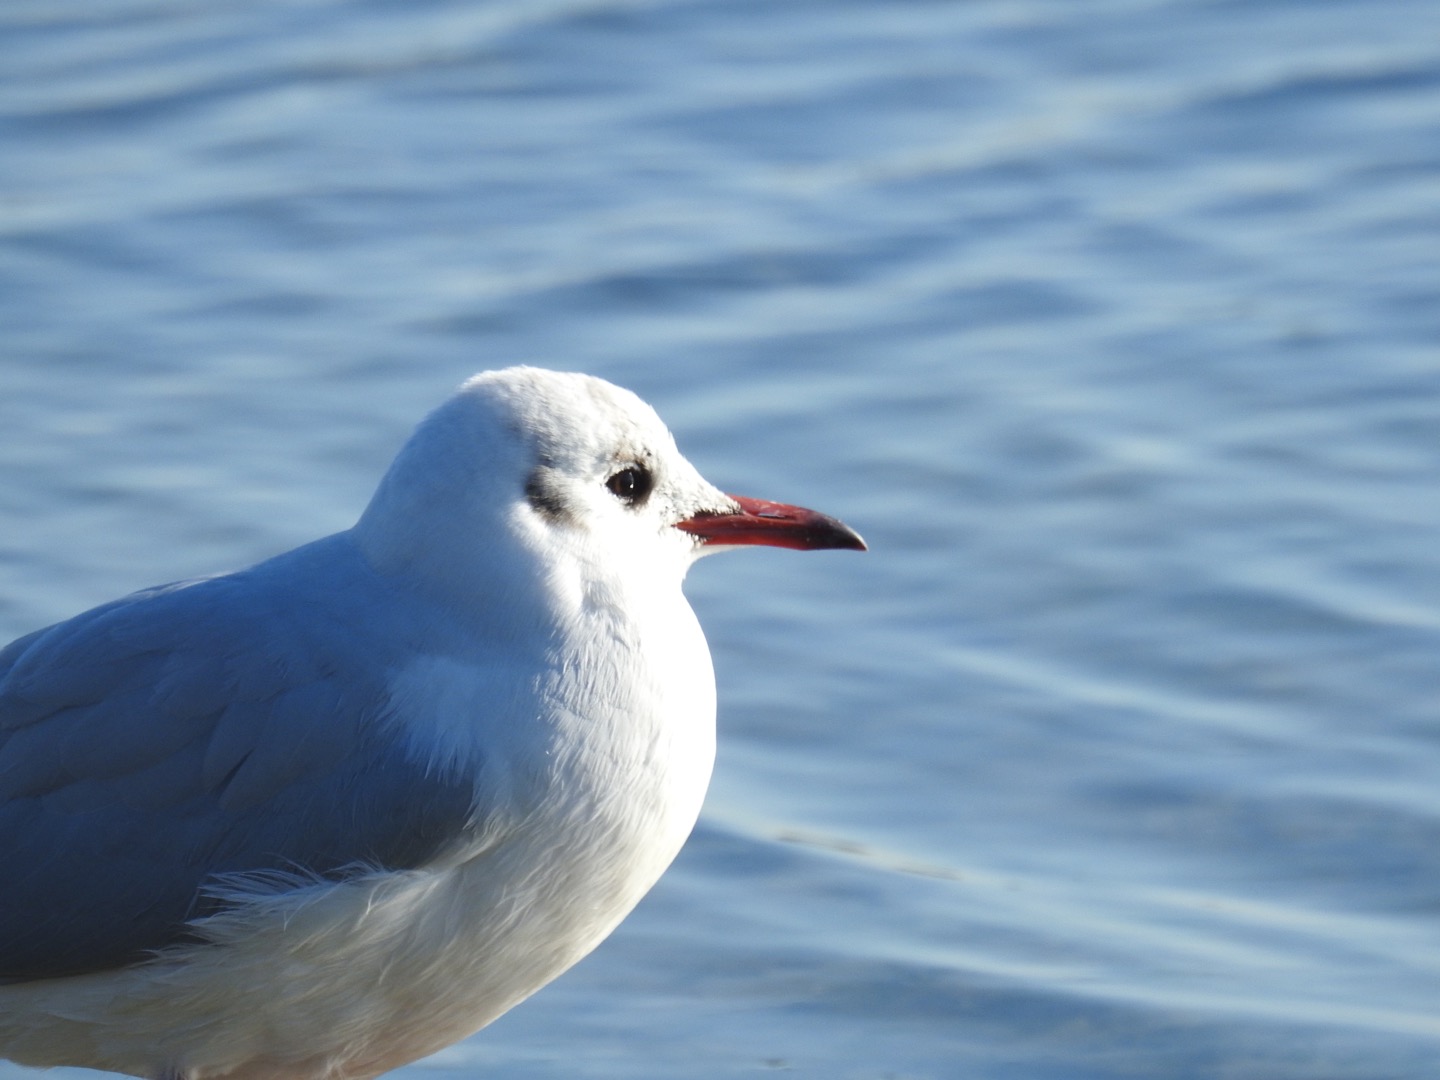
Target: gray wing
x=227, y=725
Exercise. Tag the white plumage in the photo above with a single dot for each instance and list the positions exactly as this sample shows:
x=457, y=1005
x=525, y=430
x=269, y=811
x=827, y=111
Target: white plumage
x=350, y=805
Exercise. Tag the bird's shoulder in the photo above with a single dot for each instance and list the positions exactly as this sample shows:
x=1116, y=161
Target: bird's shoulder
x=265, y=652
x=232, y=724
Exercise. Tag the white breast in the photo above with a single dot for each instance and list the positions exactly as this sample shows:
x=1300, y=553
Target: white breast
x=590, y=790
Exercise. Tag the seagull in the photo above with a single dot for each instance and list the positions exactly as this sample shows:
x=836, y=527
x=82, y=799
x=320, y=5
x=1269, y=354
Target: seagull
x=329, y=814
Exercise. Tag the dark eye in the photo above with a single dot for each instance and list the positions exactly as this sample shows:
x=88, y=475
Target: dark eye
x=631, y=484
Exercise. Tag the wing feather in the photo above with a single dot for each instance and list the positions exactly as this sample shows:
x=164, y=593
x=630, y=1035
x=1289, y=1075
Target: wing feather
x=231, y=725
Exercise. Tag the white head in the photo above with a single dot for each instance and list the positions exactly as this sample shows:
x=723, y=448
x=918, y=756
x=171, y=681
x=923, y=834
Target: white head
x=543, y=466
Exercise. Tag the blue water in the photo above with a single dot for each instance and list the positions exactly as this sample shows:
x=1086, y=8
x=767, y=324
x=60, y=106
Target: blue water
x=1114, y=326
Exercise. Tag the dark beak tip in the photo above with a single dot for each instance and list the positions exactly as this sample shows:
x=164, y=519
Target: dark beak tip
x=834, y=535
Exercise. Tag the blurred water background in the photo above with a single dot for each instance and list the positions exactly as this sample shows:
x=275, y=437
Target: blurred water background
x=1114, y=325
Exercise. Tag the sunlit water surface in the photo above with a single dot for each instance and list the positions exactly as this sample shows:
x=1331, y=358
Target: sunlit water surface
x=1114, y=326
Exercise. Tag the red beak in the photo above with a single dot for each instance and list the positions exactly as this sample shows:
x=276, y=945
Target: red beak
x=773, y=524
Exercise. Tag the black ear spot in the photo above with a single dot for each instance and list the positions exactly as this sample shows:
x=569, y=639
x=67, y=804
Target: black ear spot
x=631, y=485
x=543, y=496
